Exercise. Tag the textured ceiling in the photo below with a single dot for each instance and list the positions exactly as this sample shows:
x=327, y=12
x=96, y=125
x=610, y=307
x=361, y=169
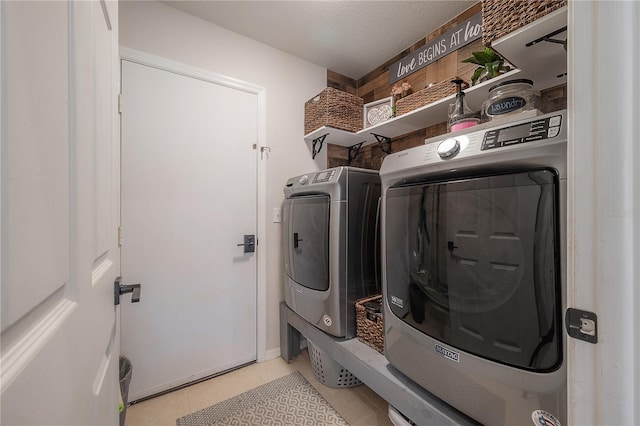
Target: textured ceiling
x=349, y=37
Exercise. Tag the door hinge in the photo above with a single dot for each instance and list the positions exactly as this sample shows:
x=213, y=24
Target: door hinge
x=120, y=103
x=119, y=236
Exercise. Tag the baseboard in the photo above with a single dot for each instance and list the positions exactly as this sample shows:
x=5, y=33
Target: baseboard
x=271, y=354
x=275, y=352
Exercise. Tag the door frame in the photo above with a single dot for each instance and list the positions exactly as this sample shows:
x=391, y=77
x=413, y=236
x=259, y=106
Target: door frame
x=603, y=236
x=164, y=64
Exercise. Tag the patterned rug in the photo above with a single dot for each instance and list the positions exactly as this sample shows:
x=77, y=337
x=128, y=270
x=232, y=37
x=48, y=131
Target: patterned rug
x=289, y=400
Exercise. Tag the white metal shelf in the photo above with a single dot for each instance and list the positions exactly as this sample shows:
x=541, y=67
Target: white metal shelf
x=417, y=119
x=545, y=63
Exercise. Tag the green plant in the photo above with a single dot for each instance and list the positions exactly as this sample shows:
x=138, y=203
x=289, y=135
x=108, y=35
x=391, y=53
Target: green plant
x=489, y=63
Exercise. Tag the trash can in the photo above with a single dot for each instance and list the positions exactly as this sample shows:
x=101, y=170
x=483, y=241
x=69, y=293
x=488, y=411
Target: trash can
x=125, y=380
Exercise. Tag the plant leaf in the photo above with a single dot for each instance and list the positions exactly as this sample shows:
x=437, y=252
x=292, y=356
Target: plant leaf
x=493, y=55
x=493, y=67
x=472, y=60
x=482, y=57
x=476, y=75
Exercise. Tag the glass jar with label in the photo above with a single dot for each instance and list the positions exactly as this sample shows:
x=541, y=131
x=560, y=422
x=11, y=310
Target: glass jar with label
x=510, y=98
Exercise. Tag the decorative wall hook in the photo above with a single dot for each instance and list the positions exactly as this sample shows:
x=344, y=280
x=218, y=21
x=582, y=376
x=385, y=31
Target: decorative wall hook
x=265, y=150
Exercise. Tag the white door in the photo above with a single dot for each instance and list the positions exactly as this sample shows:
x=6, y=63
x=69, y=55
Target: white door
x=60, y=194
x=188, y=198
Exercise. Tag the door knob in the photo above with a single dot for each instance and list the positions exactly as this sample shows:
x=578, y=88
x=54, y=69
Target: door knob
x=249, y=244
x=120, y=289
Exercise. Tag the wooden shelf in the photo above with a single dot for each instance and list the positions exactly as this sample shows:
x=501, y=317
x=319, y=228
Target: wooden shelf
x=543, y=62
x=417, y=119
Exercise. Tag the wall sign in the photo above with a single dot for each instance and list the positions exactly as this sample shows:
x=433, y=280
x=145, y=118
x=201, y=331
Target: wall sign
x=378, y=111
x=441, y=46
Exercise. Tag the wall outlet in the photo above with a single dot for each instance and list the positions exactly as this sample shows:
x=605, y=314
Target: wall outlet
x=277, y=215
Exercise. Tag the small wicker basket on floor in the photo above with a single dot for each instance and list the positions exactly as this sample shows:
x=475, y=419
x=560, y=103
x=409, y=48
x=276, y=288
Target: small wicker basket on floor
x=369, y=323
x=501, y=17
x=333, y=108
x=428, y=95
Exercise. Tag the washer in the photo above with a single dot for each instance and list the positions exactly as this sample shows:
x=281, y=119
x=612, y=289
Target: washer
x=330, y=245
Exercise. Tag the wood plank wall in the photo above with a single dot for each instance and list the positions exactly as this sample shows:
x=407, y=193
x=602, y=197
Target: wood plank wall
x=375, y=85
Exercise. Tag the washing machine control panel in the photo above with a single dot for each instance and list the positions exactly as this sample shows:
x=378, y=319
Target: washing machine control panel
x=323, y=177
x=534, y=130
x=304, y=180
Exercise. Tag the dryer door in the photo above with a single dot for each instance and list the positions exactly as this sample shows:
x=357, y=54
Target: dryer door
x=474, y=263
x=306, y=240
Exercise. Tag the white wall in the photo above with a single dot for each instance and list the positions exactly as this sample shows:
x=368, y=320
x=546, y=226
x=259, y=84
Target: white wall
x=160, y=30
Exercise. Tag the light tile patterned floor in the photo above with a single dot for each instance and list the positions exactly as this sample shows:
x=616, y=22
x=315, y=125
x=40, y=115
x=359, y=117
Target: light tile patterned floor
x=359, y=406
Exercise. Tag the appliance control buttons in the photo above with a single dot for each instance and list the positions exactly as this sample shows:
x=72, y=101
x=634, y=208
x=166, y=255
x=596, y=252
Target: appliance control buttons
x=323, y=177
x=448, y=148
x=553, y=132
x=555, y=121
x=304, y=180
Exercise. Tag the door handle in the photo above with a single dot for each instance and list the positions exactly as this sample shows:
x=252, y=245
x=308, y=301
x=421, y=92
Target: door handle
x=120, y=289
x=249, y=244
x=296, y=240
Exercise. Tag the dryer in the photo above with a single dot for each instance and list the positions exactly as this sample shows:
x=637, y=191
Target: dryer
x=474, y=267
x=330, y=245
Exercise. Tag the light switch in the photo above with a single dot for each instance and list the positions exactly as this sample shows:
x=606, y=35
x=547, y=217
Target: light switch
x=277, y=215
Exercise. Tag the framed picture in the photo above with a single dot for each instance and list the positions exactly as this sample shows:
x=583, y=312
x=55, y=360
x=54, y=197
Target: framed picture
x=378, y=111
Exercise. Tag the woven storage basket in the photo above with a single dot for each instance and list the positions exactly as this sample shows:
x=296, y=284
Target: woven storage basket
x=500, y=17
x=333, y=108
x=428, y=95
x=369, y=325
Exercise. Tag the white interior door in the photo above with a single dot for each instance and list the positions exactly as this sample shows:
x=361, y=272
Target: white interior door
x=60, y=195
x=188, y=197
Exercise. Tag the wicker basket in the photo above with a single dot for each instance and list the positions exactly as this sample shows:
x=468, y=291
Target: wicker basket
x=369, y=324
x=500, y=17
x=333, y=108
x=428, y=95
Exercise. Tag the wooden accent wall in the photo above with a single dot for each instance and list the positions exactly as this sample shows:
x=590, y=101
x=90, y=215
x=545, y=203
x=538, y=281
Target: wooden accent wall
x=375, y=85
x=340, y=82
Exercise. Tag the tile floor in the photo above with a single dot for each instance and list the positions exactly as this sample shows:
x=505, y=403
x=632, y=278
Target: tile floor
x=359, y=406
